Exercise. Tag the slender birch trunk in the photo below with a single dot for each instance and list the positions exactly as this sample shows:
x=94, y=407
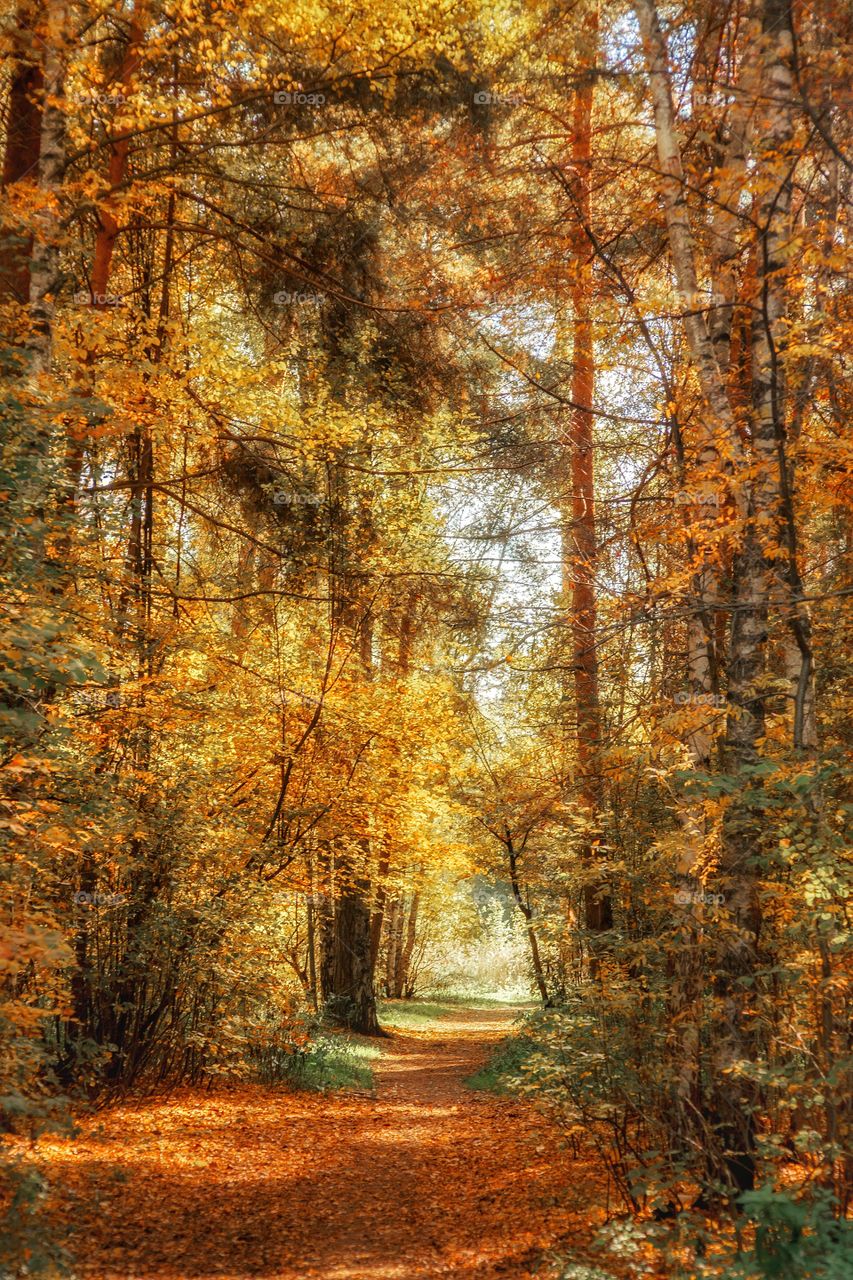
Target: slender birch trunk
x=718, y=453
x=759, y=483
x=756, y=579
x=45, y=274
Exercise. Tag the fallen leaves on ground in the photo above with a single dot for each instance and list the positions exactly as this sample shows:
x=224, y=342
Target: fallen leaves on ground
x=424, y=1179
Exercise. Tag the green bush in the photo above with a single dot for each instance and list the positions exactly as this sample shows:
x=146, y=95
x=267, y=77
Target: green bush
x=306, y=1056
x=505, y=1068
x=794, y=1240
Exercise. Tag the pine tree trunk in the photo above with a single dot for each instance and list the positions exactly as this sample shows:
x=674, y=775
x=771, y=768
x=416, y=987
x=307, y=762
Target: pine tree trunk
x=580, y=549
x=348, y=958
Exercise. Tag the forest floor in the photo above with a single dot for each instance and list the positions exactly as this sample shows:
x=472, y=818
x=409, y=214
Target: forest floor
x=421, y=1177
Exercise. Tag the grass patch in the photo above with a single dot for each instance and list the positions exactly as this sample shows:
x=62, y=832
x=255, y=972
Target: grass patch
x=335, y=1062
x=326, y=1062
x=463, y=1000
x=436, y=1005
x=501, y=1073
x=581, y=1271
x=405, y=1014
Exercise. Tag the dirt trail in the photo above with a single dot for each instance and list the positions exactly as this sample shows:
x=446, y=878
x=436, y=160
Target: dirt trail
x=425, y=1179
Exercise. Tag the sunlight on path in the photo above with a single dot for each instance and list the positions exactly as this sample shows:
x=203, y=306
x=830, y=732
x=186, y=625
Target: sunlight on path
x=425, y=1179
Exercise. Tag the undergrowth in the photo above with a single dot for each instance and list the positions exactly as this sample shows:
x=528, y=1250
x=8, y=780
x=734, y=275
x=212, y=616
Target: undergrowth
x=773, y=1234
x=313, y=1058
x=503, y=1071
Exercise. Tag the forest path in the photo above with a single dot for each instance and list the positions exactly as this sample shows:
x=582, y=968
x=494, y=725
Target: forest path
x=424, y=1178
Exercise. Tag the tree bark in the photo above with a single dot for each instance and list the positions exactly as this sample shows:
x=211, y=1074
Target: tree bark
x=735, y=1098
x=108, y=225
x=23, y=148
x=403, y=660
x=757, y=491
x=393, y=943
x=527, y=911
x=407, y=950
x=351, y=999
x=580, y=549
x=45, y=267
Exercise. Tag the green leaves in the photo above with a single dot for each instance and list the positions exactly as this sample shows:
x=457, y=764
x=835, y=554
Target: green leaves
x=799, y=1238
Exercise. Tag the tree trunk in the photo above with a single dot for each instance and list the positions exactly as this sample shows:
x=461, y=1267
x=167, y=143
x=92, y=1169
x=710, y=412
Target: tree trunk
x=527, y=911
x=580, y=551
x=392, y=942
x=351, y=999
x=403, y=661
x=325, y=904
x=379, y=908
x=735, y=1098
x=23, y=147
x=757, y=498
x=408, y=947
x=45, y=273
x=108, y=226
x=349, y=994
x=312, y=936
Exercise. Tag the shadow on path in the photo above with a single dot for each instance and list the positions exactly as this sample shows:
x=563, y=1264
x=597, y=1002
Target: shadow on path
x=424, y=1179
